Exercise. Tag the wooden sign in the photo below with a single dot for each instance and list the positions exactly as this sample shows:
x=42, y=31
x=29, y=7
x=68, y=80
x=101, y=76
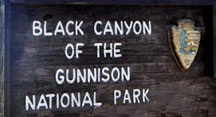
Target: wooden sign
x=104, y=60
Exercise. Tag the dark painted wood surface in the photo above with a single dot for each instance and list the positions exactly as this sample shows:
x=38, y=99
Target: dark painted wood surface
x=34, y=60
x=1, y=60
x=149, y=2
x=214, y=41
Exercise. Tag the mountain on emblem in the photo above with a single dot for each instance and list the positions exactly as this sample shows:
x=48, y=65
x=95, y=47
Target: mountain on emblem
x=185, y=39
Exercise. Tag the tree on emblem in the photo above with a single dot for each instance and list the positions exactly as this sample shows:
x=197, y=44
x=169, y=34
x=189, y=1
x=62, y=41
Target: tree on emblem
x=183, y=42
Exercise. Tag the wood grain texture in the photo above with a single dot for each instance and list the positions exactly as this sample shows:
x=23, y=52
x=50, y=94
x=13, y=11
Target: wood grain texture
x=174, y=93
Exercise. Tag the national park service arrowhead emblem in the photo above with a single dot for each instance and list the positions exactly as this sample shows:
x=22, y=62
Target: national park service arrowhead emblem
x=184, y=42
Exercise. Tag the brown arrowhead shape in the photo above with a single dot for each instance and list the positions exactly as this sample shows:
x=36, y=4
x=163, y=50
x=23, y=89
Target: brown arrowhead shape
x=185, y=39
